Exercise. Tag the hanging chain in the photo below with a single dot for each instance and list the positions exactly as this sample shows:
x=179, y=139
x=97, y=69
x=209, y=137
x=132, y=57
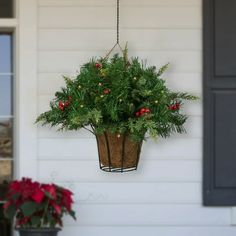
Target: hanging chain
x=118, y=22
x=117, y=30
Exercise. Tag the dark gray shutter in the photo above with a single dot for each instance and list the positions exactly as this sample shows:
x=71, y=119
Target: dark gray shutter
x=6, y=8
x=219, y=102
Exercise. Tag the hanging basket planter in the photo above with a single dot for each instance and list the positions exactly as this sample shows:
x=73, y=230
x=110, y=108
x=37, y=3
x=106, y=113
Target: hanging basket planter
x=118, y=100
x=118, y=153
x=121, y=100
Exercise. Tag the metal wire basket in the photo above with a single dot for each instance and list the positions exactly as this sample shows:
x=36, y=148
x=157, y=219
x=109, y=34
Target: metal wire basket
x=117, y=152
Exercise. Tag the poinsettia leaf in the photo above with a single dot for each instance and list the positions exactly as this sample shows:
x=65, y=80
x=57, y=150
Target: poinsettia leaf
x=47, y=194
x=41, y=206
x=28, y=208
x=51, y=220
x=16, y=196
x=10, y=212
x=35, y=220
x=72, y=213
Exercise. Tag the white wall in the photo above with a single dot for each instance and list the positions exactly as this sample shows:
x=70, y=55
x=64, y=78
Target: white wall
x=164, y=197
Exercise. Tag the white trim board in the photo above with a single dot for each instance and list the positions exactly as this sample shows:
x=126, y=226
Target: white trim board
x=8, y=23
x=26, y=70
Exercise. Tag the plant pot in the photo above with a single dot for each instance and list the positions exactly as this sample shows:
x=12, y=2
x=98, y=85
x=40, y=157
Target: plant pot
x=5, y=227
x=38, y=232
x=118, y=153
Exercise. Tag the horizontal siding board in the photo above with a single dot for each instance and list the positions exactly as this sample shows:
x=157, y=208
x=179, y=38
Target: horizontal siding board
x=191, y=83
x=150, y=193
x=151, y=231
x=50, y=82
x=161, y=17
x=47, y=132
x=193, y=108
x=77, y=39
x=153, y=171
x=70, y=61
x=76, y=17
x=132, y=17
x=193, y=127
x=171, y=3
x=183, y=147
x=149, y=214
x=190, y=108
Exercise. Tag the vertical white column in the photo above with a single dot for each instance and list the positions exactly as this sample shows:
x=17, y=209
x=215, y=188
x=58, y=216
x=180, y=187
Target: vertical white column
x=26, y=105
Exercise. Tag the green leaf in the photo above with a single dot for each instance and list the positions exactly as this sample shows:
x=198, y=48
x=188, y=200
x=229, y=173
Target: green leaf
x=10, y=212
x=35, y=220
x=142, y=81
x=16, y=196
x=72, y=213
x=48, y=194
x=28, y=208
x=163, y=69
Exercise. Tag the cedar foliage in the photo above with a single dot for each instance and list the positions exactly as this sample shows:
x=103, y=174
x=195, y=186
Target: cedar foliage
x=120, y=95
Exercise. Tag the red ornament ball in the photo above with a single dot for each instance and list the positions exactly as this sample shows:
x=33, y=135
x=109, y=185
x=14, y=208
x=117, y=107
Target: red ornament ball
x=175, y=106
x=67, y=103
x=106, y=91
x=98, y=65
x=142, y=110
x=61, y=106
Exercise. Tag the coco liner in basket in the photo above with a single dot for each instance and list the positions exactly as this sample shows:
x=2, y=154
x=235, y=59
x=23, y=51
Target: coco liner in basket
x=119, y=100
x=118, y=152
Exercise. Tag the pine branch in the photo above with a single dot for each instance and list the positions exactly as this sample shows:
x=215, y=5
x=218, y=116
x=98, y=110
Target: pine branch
x=109, y=94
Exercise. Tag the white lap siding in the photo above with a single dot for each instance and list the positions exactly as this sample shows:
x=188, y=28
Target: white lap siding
x=164, y=197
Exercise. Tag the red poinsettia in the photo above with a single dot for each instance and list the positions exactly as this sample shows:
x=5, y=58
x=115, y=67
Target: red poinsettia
x=34, y=204
x=38, y=195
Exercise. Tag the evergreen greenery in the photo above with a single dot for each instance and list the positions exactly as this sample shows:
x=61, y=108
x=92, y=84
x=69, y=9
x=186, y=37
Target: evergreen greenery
x=121, y=95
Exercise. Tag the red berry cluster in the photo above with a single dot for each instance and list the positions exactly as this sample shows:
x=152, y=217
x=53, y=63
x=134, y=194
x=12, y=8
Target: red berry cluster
x=63, y=105
x=142, y=111
x=174, y=107
x=106, y=91
x=98, y=65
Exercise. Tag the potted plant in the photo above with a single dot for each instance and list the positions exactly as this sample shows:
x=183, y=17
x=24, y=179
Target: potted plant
x=37, y=209
x=121, y=100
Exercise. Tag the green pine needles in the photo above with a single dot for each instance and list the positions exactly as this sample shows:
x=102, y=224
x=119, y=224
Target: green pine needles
x=120, y=95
